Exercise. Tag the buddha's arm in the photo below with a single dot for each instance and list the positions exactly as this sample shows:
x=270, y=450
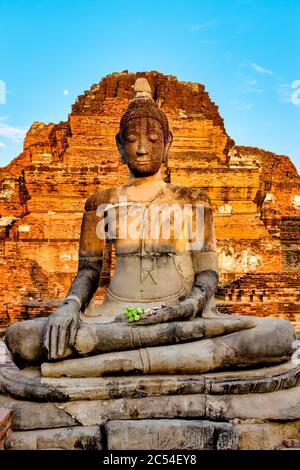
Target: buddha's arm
x=63, y=323
x=205, y=281
x=90, y=262
x=205, y=264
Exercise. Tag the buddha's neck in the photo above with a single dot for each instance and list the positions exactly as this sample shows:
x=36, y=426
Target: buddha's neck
x=144, y=188
x=145, y=180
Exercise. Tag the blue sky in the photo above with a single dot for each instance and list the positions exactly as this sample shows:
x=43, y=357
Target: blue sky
x=246, y=53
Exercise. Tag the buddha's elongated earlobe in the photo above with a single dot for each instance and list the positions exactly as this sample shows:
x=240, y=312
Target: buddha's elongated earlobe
x=167, y=146
x=120, y=146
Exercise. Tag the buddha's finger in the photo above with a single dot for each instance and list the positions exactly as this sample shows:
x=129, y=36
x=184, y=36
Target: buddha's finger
x=47, y=339
x=121, y=318
x=188, y=308
x=163, y=315
x=72, y=333
x=53, y=341
x=63, y=335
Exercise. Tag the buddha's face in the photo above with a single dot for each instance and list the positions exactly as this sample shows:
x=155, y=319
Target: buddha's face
x=143, y=146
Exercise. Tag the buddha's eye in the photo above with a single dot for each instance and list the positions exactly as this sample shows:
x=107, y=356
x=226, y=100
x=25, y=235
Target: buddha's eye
x=152, y=137
x=131, y=137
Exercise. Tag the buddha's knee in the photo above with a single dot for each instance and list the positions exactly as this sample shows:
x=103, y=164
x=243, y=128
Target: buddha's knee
x=24, y=340
x=271, y=338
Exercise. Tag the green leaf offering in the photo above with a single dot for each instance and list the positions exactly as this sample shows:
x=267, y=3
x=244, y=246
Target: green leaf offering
x=133, y=313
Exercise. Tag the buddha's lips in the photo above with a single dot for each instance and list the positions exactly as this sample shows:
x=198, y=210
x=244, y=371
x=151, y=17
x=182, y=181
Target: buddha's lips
x=141, y=162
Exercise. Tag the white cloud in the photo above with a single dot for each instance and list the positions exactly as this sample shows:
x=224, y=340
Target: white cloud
x=251, y=86
x=241, y=105
x=16, y=134
x=289, y=92
x=3, y=92
x=295, y=98
x=66, y=92
x=2, y=144
x=260, y=69
x=206, y=25
x=251, y=82
x=284, y=92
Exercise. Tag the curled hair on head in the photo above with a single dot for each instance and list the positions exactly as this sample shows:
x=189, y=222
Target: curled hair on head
x=143, y=105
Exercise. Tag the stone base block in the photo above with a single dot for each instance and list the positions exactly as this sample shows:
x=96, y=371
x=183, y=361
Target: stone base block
x=77, y=438
x=28, y=384
x=160, y=434
x=195, y=421
x=170, y=434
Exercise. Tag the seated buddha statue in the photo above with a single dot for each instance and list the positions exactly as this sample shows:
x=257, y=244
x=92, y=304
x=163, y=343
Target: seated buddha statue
x=166, y=265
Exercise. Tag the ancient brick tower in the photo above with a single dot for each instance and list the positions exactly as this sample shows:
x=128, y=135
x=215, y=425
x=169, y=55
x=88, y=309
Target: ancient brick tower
x=256, y=196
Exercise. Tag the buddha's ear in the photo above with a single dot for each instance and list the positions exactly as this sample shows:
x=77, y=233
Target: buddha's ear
x=168, y=145
x=120, y=146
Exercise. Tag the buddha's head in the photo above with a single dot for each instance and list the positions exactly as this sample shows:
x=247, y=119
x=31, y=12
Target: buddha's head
x=144, y=137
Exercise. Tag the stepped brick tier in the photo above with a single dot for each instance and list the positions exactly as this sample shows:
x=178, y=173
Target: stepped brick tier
x=255, y=195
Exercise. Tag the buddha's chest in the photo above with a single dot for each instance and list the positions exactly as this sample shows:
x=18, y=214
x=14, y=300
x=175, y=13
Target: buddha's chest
x=152, y=228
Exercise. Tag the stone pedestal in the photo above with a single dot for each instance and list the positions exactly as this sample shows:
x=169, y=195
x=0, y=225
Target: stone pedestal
x=257, y=409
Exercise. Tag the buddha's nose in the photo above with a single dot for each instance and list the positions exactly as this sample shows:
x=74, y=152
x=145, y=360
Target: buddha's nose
x=141, y=150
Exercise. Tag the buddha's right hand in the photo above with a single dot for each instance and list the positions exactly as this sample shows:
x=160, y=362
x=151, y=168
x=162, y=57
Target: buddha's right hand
x=184, y=310
x=61, y=329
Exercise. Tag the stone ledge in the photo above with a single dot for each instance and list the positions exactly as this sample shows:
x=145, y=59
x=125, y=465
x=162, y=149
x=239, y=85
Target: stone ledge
x=29, y=385
x=283, y=405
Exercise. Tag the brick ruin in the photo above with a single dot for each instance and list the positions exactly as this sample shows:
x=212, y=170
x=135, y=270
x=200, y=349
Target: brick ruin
x=255, y=194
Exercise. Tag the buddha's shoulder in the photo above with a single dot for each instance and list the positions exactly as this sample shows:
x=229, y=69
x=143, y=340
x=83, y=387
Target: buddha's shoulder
x=188, y=195
x=104, y=196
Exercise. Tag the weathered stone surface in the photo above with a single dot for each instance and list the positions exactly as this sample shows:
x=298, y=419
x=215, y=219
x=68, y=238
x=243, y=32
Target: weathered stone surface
x=5, y=426
x=42, y=194
x=280, y=405
x=266, y=436
x=291, y=443
x=166, y=434
x=283, y=405
x=78, y=438
x=26, y=415
x=90, y=413
x=254, y=421
x=29, y=385
x=162, y=434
